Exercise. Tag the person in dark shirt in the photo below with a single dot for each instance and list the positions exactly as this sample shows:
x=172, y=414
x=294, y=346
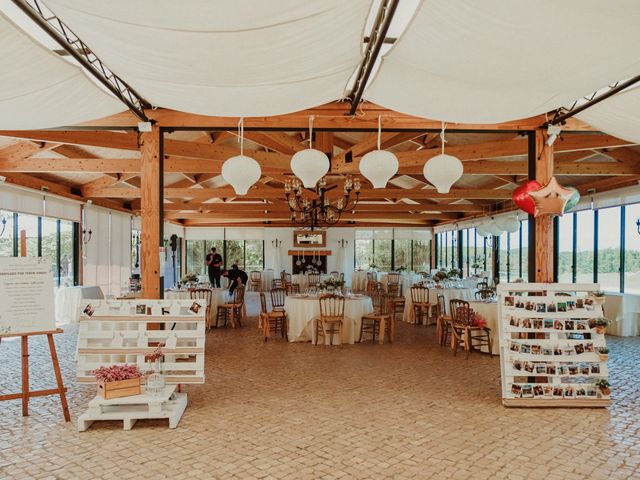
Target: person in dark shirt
x=214, y=262
x=236, y=277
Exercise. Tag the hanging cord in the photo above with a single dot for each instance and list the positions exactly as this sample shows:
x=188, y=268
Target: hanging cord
x=311, y=131
x=241, y=135
x=444, y=125
x=379, y=129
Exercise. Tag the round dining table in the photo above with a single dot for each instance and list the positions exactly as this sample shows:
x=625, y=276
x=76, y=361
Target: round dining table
x=303, y=311
x=459, y=293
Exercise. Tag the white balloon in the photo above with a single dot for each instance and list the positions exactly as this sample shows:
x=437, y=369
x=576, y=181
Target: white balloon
x=378, y=167
x=494, y=229
x=241, y=172
x=511, y=224
x=481, y=230
x=442, y=171
x=309, y=166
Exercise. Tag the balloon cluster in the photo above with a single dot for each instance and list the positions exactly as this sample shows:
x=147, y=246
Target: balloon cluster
x=495, y=226
x=550, y=199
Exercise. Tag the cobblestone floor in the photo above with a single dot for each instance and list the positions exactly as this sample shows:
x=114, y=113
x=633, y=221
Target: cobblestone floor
x=277, y=410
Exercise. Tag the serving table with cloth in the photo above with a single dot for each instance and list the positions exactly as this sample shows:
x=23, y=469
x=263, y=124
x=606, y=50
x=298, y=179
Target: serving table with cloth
x=69, y=301
x=449, y=293
x=303, y=312
x=489, y=311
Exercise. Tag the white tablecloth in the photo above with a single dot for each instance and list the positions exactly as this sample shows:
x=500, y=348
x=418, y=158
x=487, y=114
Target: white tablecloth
x=69, y=302
x=219, y=297
x=302, y=313
x=303, y=280
x=489, y=311
x=449, y=293
x=406, y=280
x=623, y=312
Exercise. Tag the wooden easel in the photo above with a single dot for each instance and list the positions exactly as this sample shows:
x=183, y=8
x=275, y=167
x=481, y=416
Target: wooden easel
x=26, y=393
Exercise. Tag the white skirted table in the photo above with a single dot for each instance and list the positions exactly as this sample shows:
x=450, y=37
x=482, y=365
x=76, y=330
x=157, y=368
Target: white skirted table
x=219, y=296
x=449, y=294
x=623, y=312
x=304, y=311
x=406, y=280
x=359, y=281
x=489, y=311
x=69, y=301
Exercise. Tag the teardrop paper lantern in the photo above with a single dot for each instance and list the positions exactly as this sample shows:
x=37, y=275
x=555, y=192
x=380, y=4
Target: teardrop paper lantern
x=309, y=166
x=521, y=198
x=442, y=171
x=573, y=199
x=241, y=172
x=378, y=167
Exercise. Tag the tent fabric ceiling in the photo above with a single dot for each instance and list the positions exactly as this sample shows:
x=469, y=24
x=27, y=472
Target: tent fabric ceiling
x=225, y=58
x=618, y=115
x=500, y=60
x=40, y=90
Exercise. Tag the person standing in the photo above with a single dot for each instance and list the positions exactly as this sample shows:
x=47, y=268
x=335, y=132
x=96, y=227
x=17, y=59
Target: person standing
x=214, y=262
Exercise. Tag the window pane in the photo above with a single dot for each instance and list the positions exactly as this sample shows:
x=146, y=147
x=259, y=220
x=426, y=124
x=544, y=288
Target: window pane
x=514, y=256
x=402, y=254
x=503, y=257
x=565, y=248
x=382, y=255
x=50, y=245
x=195, y=257
x=235, y=253
x=584, y=248
x=525, y=250
x=609, y=249
x=364, y=253
x=66, y=254
x=632, y=250
x=6, y=235
x=421, y=256
x=254, y=255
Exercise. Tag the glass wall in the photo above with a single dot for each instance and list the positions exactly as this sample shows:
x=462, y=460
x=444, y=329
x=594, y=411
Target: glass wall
x=565, y=248
x=7, y=244
x=609, y=242
x=249, y=254
x=388, y=255
x=402, y=253
x=632, y=249
x=584, y=246
x=421, y=255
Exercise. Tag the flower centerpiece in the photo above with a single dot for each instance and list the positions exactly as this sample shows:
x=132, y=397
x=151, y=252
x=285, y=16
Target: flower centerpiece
x=333, y=284
x=477, y=264
x=118, y=381
x=603, y=353
x=440, y=276
x=604, y=386
x=402, y=269
x=189, y=278
x=601, y=325
x=454, y=274
x=597, y=297
x=155, y=380
x=310, y=269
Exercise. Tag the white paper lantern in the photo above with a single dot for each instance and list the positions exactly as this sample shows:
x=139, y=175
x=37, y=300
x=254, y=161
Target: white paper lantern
x=310, y=165
x=241, y=172
x=378, y=167
x=481, y=229
x=510, y=224
x=442, y=171
x=494, y=228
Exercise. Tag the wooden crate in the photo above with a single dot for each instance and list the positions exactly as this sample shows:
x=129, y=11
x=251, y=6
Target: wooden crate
x=119, y=388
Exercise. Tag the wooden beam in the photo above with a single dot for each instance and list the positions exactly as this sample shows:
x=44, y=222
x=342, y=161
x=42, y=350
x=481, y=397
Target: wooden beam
x=75, y=165
x=544, y=224
x=284, y=215
x=151, y=213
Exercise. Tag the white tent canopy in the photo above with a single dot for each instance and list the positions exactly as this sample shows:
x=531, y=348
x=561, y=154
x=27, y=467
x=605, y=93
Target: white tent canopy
x=500, y=60
x=38, y=89
x=618, y=115
x=229, y=57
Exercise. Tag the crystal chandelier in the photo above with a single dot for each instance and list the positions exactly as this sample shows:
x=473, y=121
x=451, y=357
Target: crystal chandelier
x=320, y=211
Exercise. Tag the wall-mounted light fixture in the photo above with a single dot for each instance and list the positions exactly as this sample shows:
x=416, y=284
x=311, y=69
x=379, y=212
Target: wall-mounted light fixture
x=276, y=243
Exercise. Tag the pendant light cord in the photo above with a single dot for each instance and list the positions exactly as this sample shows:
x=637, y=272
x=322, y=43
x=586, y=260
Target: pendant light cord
x=444, y=125
x=379, y=129
x=311, y=131
x=241, y=135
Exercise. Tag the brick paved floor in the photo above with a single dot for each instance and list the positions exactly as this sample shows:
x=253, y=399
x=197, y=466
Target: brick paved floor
x=277, y=410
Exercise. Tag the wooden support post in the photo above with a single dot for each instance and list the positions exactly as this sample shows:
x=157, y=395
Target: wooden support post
x=151, y=212
x=23, y=243
x=544, y=224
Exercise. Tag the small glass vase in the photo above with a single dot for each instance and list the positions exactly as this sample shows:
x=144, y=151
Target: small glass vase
x=156, y=381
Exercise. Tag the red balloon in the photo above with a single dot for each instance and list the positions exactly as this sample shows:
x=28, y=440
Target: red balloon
x=521, y=196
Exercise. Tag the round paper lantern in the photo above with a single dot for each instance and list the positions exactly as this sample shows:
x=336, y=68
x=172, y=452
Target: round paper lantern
x=481, y=230
x=309, y=166
x=494, y=228
x=521, y=198
x=510, y=224
x=241, y=172
x=378, y=167
x=573, y=199
x=442, y=171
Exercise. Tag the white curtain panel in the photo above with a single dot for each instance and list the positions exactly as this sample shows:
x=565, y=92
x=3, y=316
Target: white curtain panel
x=38, y=89
x=618, y=115
x=228, y=57
x=120, y=266
x=498, y=60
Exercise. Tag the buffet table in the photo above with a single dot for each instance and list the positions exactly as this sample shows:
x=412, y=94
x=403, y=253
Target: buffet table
x=449, y=294
x=303, y=312
x=489, y=311
x=219, y=296
x=70, y=300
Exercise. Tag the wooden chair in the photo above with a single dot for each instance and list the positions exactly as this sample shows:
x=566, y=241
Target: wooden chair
x=484, y=293
x=331, y=319
x=482, y=285
x=372, y=323
x=276, y=283
x=372, y=287
x=233, y=311
x=203, y=294
x=463, y=333
x=272, y=321
x=314, y=280
x=372, y=277
x=278, y=296
x=255, y=281
x=288, y=285
x=334, y=274
x=393, y=277
x=443, y=322
x=394, y=292
x=423, y=309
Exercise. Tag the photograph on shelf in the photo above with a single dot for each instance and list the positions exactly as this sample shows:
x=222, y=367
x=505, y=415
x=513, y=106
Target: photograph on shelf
x=551, y=308
x=558, y=324
x=519, y=303
x=141, y=309
x=195, y=307
x=536, y=349
x=527, y=391
x=541, y=368
x=514, y=321
x=516, y=389
x=562, y=306
x=579, y=348
x=551, y=369
x=595, y=368
x=548, y=323
x=547, y=351
x=584, y=369
x=541, y=307
x=528, y=367
x=508, y=301
x=581, y=392
x=548, y=390
x=558, y=392
x=88, y=310
x=526, y=323
x=571, y=305
x=568, y=392
x=579, y=303
x=515, y=346
x=581, y=325
x=538, y=391
x=537, y=323
x=525, y=348
x=568, y=325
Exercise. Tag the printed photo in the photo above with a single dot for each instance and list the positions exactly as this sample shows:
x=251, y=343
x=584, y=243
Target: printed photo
x=519, y=303
x=547, y=351
x=551, y=307
x=525, y=348
x=581, y=392
x=584, y=369
x=548, y=390
x=536, y=349
x=527, y=391
x=529, y=306
x=514, y=347
x=562, y=306
x=579, y=348
x=573, y=369
x=591, y=392
x=141, y=309
x=516, y=389
x=568, y=350
x=551, y=369
x=580, y=303
x=595, y=368
x=541, y=307
x=557, y=350
x=581, y=325
x=588, y=301
x=568, y=392
x=562, y=369
x=88, y=310
x=569, y=325
x=508, y=301
x=537, y=323
x=517, y=365
x=558, y=391
x=528, y=367
x=588, y=347
x=526, y=323
x=558, y=324
x=195, y=307
x=538, y=391
x=571, y=305
x=514, y=321
x=541, y=368
x=548, y=323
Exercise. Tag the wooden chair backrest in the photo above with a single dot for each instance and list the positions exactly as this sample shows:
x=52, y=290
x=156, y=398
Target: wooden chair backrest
x=419, y=294
x=372, y=276
x=201, y=294
x=238, y=295
x=442, y=306
x=334, y=274
x=393, y=277
x=394, y=289
x=331, y=307
x=263, y=303
x=255, y=276
x=278, y=296
x=461, y=312
x=276, y=283
x=314, y=278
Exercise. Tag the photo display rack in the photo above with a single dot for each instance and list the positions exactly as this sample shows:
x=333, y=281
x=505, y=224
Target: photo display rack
x=549, y=345
x=119, y=332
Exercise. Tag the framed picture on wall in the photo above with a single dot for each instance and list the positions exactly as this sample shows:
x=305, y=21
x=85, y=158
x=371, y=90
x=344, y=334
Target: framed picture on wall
x=307, y=238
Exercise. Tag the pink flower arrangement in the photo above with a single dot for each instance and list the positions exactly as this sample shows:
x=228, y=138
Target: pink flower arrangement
x=155, y=355
x=116, y=372
x=478, y=320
